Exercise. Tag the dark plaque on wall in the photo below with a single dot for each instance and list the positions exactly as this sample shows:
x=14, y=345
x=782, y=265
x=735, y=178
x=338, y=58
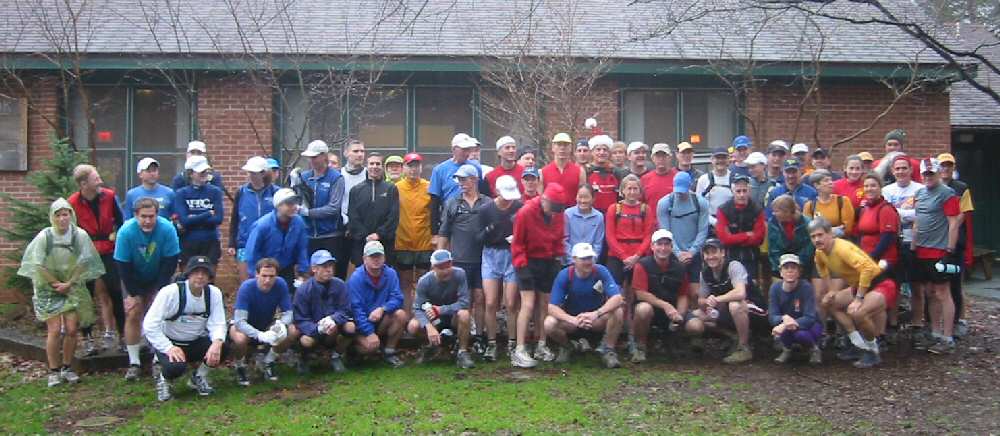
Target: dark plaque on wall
x=13, y=134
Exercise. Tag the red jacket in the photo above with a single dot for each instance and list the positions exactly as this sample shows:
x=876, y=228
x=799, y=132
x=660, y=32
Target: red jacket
x=100, y=230
x=534, y=238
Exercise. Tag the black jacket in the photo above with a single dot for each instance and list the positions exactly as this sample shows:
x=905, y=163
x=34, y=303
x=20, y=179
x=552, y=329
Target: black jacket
x=374, y=208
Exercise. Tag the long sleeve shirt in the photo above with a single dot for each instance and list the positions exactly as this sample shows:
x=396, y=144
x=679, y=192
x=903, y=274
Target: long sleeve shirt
x=587, y=228
x=799, y=303
x=740, y=239
x=848, y=262
x=838, y=211
x=687, y=222
x=537, y=236
x=200, y=211
x=254, y=309
x=369, y=293
x=450, y=295
x=315, y=301
x=191, y=325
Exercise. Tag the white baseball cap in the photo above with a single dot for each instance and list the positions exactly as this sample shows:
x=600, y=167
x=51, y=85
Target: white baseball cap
x=786, y=258
x=255, y=164
x=283, y=195
x=507, y=188
x=197, y=164
x=460, y=140
x=597, y=140
x=373, y=248
x=756, y=158
x=144, y=164
x=661, y=148
x=635, y=145
x=800, y=148
x=197, y=145
x=504, y=141
x=583, y=250
x=662, y=233
x=316, y=148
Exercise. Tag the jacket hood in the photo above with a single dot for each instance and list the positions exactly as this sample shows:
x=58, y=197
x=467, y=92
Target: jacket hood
x=58, y=205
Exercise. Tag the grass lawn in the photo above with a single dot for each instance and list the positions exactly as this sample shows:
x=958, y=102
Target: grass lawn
x=580, y=397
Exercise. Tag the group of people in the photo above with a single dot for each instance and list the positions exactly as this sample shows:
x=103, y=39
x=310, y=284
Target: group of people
x=608, y=242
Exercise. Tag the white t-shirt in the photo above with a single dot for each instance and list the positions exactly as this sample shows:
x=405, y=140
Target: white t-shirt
x=190, y=325
x=904, y=199
x=718, y=195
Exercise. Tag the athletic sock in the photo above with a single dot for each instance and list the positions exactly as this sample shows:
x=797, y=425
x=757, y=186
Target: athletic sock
x=388, y=351
x=272, y=356
x=133, y=354
x=857, y=340
x=872, y=346
x=241, y=362
x=203, y=370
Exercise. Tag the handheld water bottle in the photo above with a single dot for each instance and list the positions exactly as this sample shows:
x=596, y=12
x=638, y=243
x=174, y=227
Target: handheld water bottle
x=428, y=306
x=947, y=268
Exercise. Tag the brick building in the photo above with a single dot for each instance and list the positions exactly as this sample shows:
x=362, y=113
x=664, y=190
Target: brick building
x=236, y=76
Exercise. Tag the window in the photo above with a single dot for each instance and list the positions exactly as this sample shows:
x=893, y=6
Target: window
x=707, y=118
x=440, y=114
x=381, y=119
x=13, y=134
x=131, y=123
x=308, y=116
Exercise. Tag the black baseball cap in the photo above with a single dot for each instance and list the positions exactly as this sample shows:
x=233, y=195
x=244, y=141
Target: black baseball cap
x=712, y=243
x=200, y=262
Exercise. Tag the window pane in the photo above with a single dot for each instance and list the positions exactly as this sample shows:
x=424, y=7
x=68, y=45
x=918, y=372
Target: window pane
x=381, y=118
x=307, y=115
x=161, y=121
x=441, y=113
x=651, y=116
x=111, y=165
x=709, y=119
x=107, y=108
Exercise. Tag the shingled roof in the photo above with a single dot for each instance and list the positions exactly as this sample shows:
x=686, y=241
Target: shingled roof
x=971, y=107
x=702, y=30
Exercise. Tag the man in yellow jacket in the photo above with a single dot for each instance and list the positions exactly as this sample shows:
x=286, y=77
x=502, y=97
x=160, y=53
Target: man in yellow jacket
x=413, y=236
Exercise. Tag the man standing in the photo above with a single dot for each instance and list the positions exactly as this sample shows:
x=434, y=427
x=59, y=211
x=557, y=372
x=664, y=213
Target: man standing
x=562, y=170
x=582, y=155
x=150, y=187
x=460, y=230
x=935, y=237
x=637, y=152
x=98, y=214
x=685, y=216
x=776, y=152
x=496, y=219
x=741, y=226
x=253, y=200
x=196, y=148
x=793, y=186
x=374, y=213
x=741, y=150
x=536, y=249
x=507, y=154
x=146, y=251
x=821, y=161
x=860, y=309
x=894, y=146
x=903, y=196
x=257, y=300
x=800, y=151
x=658, y=183
x=321, y=191
x=413, y=235
x=442, y=302
x=965, y=241
x=186, y=326
x=714, y=186
x=443, y=185
x=377, y=304
x=723, y=293
x=280, y=235
x=760, y=184
x=603, y=177
x=585, y=298
x=353, y=172
x=685, y=160
x=393, y=169
x=199, y=209
x=322, y=312
x=662, y=292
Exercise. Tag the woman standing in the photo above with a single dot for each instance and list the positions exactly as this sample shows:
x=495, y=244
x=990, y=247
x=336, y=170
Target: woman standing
x=584, y=223
x=850, y=186
x=59, y=262
x=838, y=210
x=878, y=227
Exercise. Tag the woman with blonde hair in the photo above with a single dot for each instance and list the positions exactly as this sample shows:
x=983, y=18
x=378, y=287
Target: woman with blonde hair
x=787, y=234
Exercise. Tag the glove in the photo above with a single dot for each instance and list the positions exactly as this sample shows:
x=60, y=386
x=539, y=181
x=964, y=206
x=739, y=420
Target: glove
x=269, y=337
x=303, y=210
x=280, y=331
x=294, y=178
x=326, y=324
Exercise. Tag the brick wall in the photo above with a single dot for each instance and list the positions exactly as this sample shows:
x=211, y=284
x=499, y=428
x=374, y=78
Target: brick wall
x=846, y=109
x=234, y=121
x=602, y=104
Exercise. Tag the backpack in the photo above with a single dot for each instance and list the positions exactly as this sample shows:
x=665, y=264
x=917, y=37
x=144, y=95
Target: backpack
x=840, y=209
x=50, y=244
x=619, y=214
x=670, y=206
x=182, y=303
x=711, y=184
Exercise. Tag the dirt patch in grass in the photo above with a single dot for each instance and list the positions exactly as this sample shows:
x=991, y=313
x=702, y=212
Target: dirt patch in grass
x=291, y=395
x=91, y=421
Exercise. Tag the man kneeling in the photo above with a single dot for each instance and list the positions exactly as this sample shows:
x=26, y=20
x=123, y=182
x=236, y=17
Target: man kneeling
x=322, y=312
x=661, y=286
x=254, y=324
x=377, y=303
x=186, y=325
x=722, y=300
x=862, y=305
x=442, y=302
x=585, y=298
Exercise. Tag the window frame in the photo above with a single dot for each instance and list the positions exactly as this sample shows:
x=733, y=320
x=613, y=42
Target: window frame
x=738, y=124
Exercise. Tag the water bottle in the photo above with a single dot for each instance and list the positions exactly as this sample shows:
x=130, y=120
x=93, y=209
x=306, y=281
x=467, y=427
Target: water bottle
x=437, y=321
x=713, y=313
x=947, y=268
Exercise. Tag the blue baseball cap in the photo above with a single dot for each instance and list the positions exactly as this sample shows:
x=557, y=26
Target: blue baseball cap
x=466, y=171
x=272, y=163
x=682, y=182
x=742, y=141
x=530, y=171
x=440, y=256
x=792, y=163
x=321, y=257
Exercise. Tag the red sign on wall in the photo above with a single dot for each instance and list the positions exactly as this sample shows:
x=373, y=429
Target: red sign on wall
x=104, y=136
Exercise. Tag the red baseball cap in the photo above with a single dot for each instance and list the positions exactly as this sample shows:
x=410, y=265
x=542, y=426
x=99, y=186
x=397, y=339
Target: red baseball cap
x=555, y=193
x=410, y=157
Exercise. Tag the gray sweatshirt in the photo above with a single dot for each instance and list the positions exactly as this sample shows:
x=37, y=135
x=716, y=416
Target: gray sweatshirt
x=451, y=295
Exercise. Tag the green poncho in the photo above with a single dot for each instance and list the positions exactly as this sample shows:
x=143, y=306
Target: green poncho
x=69, y=257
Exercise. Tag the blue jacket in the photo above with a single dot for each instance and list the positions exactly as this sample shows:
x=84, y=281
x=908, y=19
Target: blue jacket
x=324, y=217
x=366, y=297
x=801, y=194
x=287, y=247
x=248, y=207
x=315, y=301
x=200, y=211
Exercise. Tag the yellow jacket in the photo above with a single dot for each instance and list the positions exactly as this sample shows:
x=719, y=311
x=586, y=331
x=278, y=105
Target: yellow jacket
x=414, y=231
